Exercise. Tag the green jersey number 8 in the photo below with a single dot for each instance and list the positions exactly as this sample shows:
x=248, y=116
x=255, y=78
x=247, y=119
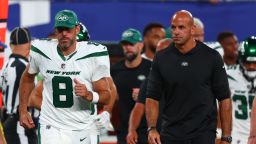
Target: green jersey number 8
x=62, y=92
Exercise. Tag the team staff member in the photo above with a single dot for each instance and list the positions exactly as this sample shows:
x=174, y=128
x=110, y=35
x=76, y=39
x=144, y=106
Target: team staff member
x=137, y=121
x=192, y=76
x=128, y=75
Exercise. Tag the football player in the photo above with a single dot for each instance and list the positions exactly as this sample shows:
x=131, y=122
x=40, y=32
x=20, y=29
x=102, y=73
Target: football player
x=74, y=76
x=241, y=79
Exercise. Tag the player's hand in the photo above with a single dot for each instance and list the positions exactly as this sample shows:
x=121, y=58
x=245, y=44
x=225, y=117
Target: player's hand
x=26, y=120
x=252, y=140
x=102, y=121
x=154, y=137
x=81, y=90
x=132, y=137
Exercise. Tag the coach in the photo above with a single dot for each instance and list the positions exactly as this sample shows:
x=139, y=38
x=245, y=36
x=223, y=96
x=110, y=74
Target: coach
x=192, y=76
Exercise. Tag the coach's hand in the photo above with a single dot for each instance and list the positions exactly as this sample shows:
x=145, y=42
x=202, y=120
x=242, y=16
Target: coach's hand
x=132, y=137
x=154, y=137
x=81, y=90
x=26, y=120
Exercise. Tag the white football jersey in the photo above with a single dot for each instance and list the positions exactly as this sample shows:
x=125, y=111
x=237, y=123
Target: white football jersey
x=61, y=107
x=216, y=46
x=241, y=102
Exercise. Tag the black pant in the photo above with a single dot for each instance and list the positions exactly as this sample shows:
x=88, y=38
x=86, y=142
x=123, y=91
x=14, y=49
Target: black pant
x=206, y=137
x=11, y=134
x=121, y=138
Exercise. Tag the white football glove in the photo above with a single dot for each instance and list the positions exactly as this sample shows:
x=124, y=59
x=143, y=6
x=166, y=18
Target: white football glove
x=102, y=121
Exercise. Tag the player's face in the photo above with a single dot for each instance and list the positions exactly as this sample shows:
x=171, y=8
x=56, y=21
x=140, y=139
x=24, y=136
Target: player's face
x=250, y=66
x=181, y=30
x=66, y=36
x=131, y=51
x=230, y=46
x=199, y=34
x=152, y=38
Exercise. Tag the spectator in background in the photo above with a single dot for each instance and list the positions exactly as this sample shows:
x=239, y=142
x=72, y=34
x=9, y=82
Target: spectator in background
x=20, y=43
x=152, y=33
x=229, y=43
x=128, y=75
x=190, y=92
x=242, y=78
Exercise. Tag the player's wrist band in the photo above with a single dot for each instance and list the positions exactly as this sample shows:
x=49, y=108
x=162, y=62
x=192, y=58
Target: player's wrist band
x=95, y=97
x=219, y=133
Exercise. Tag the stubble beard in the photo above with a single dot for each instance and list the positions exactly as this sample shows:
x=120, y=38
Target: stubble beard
x=67, y=45
x=131, y=57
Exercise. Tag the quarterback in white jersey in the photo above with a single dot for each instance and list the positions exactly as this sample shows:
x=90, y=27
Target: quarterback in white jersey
x=242, y=78
x=74, y=76
x=60, y=106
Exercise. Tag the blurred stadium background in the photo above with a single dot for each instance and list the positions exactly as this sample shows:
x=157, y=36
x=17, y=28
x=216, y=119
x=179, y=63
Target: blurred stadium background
x=106, y=19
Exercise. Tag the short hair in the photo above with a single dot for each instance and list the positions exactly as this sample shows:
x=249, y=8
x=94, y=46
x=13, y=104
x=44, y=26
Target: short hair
x=222, y=35
x=150, y=26
x=198, y=22
x=20, y=36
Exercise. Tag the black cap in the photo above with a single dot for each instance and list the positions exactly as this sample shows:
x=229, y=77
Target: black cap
x=20, y=36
